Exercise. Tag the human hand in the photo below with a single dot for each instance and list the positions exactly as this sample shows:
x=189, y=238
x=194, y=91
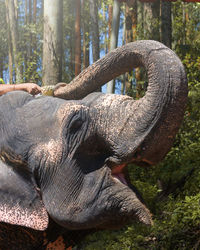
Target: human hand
x=31, y=88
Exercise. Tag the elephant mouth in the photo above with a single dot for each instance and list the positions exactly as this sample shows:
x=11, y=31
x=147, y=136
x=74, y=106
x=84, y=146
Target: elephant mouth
x=134, y=207
x=117, y=173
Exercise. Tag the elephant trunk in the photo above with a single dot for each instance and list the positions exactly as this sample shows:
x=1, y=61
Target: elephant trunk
x=142, y=130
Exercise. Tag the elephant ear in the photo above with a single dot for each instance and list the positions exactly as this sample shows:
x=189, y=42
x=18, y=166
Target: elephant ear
x=20, y=202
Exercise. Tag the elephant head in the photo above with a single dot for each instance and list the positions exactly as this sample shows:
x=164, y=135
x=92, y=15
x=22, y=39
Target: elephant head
x=65, y=158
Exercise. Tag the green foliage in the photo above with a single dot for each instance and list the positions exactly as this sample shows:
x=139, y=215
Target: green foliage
x=2, y=81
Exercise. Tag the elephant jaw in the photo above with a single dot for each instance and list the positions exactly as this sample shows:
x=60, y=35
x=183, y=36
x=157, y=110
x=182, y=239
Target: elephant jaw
x=142, y=214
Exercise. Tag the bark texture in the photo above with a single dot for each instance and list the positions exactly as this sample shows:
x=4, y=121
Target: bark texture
x=114, y=38
x=12, y=17
x=10, y=54
x=78, y=38
x=131, y=30
x=151, y=20
x=52, y=42
x=95, y=29
x=166, y=23
x=86, y=39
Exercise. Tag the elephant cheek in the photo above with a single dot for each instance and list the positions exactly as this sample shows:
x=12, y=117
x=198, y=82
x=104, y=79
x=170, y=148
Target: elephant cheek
x=50, y=151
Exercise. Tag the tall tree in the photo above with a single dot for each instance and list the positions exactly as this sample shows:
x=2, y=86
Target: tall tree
x=78, y=38
x=131, y=20
x=52, y=42
x=34, y=11
x=69, y=44
x=110, y=14
x=114, y=37
x=166, y=23
x=131, y=29
x=12, y=19
x=10, y=51
x=86, y=30
x=151, y=20
x=94, y=29
x=34, y=43
x=30, y=34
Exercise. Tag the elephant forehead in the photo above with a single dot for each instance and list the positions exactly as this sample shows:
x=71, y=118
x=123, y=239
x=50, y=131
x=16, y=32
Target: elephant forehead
x=111, y=99
x=69, y=108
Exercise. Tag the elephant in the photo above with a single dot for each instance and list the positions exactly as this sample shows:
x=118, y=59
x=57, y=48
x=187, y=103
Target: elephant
x=63, y=159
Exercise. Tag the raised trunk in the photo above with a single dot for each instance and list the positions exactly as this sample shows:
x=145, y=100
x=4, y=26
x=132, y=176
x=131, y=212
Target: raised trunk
x=148, y=126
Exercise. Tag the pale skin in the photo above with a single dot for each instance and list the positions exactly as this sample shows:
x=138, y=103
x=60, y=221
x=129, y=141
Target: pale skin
x=31, y=88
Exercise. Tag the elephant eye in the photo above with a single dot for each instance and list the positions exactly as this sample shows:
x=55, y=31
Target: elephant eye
x=75, y=125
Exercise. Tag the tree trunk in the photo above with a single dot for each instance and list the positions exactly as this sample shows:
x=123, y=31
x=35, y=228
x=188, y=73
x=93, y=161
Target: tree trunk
x=52, y=42
x=34, y=11
x=94, y=29
x=71, y=42
x=131, y=30
x=16, y=9
x=110, y=14
x=140, y=20
x=26, y=12
x=10, y=51
x=185, y=20
x=34, y=44
x=151, y=20
x=30, y=35
x=131, y=20
x=166, y=23
x=78, y=38
x=30, y=11
x=114, y=38
x=14, y=37
x=86, y=42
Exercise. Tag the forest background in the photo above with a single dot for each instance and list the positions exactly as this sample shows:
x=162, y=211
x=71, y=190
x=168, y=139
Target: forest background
x=81, y=32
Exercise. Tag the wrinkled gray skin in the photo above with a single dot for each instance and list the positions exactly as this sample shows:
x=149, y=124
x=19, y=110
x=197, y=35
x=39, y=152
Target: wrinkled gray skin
x=57, y=156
